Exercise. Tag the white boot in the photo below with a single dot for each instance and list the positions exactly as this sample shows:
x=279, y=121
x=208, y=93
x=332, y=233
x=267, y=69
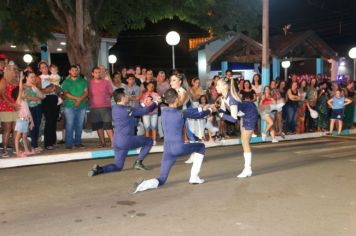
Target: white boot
x=194, y=172
x=147, y=184
x=191, y=158
x=247, y=172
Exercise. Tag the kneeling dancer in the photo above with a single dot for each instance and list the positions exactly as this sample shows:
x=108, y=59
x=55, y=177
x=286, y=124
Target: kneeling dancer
x=172, y=122
x=124, y=118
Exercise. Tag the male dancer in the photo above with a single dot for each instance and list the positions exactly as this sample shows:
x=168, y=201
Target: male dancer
x=172, y=122
x=124, y=118
x=249, y=113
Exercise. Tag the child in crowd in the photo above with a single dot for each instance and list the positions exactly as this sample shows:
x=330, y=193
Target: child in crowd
x=23, y=122
x=54, y=79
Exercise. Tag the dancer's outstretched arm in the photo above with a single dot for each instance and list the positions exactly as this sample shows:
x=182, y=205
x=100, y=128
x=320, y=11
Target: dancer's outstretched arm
x=195, y=113
x=140, y=111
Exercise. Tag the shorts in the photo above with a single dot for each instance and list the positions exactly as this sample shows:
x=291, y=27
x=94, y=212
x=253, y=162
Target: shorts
x=21, y=126
x=150, y=121
x=337, y=114
x=101, y=118
x=8, y=116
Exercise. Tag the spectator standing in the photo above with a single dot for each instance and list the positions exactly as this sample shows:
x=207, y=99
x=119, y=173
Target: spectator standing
x=162, y=83
x=196, y=90
x=312, y=97
x=75, y=90
x=349, y=109
x=322, y=107
x=293, y=97
x=33, y=97
x=150, y=119
x=8, y=106
x=212, y=93
x=337, y=103
x=49, y=106
x=100, y=92
x=132, y=91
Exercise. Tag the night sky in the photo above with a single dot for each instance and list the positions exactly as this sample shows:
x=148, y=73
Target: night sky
x=334, y=21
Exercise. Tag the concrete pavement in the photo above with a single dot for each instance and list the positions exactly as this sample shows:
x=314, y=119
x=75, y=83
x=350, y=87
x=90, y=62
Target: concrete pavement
x=298, y=188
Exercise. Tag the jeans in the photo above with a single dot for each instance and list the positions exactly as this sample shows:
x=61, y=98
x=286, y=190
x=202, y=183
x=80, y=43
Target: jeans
x=291, y=117
x=74, y=124
x=36, y=113
x=150, y=121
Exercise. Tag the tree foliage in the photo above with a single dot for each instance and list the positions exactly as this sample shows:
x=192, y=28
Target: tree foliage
x=26, y=21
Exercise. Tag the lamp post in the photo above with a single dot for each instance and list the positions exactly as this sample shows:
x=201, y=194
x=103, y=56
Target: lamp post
x=173, y=38
x=112, y=60
x=27, y=58
x=285, y=64
x=352, y=54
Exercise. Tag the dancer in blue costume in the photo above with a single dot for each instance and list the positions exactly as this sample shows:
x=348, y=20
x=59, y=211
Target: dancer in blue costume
x=249, y=113
x=124, y=118
x=172, y=122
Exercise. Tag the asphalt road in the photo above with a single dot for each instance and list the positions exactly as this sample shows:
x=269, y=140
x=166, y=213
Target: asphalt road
x=298, y=188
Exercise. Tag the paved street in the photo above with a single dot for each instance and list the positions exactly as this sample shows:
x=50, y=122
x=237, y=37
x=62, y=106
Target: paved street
x=303, y=187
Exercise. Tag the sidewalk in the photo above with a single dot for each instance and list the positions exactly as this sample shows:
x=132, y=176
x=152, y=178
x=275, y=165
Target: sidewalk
x=91, y=151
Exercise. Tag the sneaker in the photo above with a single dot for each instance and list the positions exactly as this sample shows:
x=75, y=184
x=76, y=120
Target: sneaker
x=69, y=148
x=49, y=148
x=96, y=170
x=154, y=143
x=253, y=135
x=138, y=165
x=275, y=140
x=263, y=136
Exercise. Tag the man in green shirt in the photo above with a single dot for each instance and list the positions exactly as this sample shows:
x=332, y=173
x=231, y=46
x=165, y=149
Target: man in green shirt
x=75, y=90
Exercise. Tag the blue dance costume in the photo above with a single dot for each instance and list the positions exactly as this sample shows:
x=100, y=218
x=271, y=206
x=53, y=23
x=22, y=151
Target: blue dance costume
x=124, y=118
x=249, y=120
x=174, y=147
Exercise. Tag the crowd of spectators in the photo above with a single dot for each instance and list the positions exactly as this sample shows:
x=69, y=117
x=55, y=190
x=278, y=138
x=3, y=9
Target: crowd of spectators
x=49, y=95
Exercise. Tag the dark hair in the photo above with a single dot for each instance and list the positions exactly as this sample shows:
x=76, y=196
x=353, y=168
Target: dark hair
x=118, y=94
x=249, y=84
x=130, y=75
x=203, y=96
x=170, y=96
x=148, y=83
x=15, y=93
x=259, y=78
x=73, y=66
x=228, y=71
x=94, y=68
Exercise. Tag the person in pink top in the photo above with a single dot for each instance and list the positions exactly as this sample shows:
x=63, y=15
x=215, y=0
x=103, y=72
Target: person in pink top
x=23, y=122
x=100, y=92
x=150, y=120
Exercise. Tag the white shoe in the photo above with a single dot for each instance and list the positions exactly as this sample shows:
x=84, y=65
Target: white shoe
x=245, y=173
x=154, y=143
x=190, y=160
x=253, y=135
x=275, y=140
x=263, y=136
x=196, y=180
x=146, y=184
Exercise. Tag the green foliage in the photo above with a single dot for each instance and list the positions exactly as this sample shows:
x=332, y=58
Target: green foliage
x=23, y=21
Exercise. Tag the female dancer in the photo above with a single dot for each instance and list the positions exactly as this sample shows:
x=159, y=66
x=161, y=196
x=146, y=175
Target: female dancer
x=248, y=110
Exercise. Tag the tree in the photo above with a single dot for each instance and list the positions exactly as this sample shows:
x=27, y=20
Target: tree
x=84, y=21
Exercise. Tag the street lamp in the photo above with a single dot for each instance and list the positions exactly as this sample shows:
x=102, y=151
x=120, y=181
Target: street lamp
x=285, y=65
x=352, y=54
x=112, y=60
x=173, y=38
x=27, y=58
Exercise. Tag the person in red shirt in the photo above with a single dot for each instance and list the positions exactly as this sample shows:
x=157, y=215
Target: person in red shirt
x=100, y=92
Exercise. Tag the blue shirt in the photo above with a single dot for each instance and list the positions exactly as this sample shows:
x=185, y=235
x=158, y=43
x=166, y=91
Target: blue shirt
x=124, y=118
x=338, y=103
x=173, y=122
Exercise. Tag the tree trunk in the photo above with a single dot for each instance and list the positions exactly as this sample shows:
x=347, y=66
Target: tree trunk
x=79, y=23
